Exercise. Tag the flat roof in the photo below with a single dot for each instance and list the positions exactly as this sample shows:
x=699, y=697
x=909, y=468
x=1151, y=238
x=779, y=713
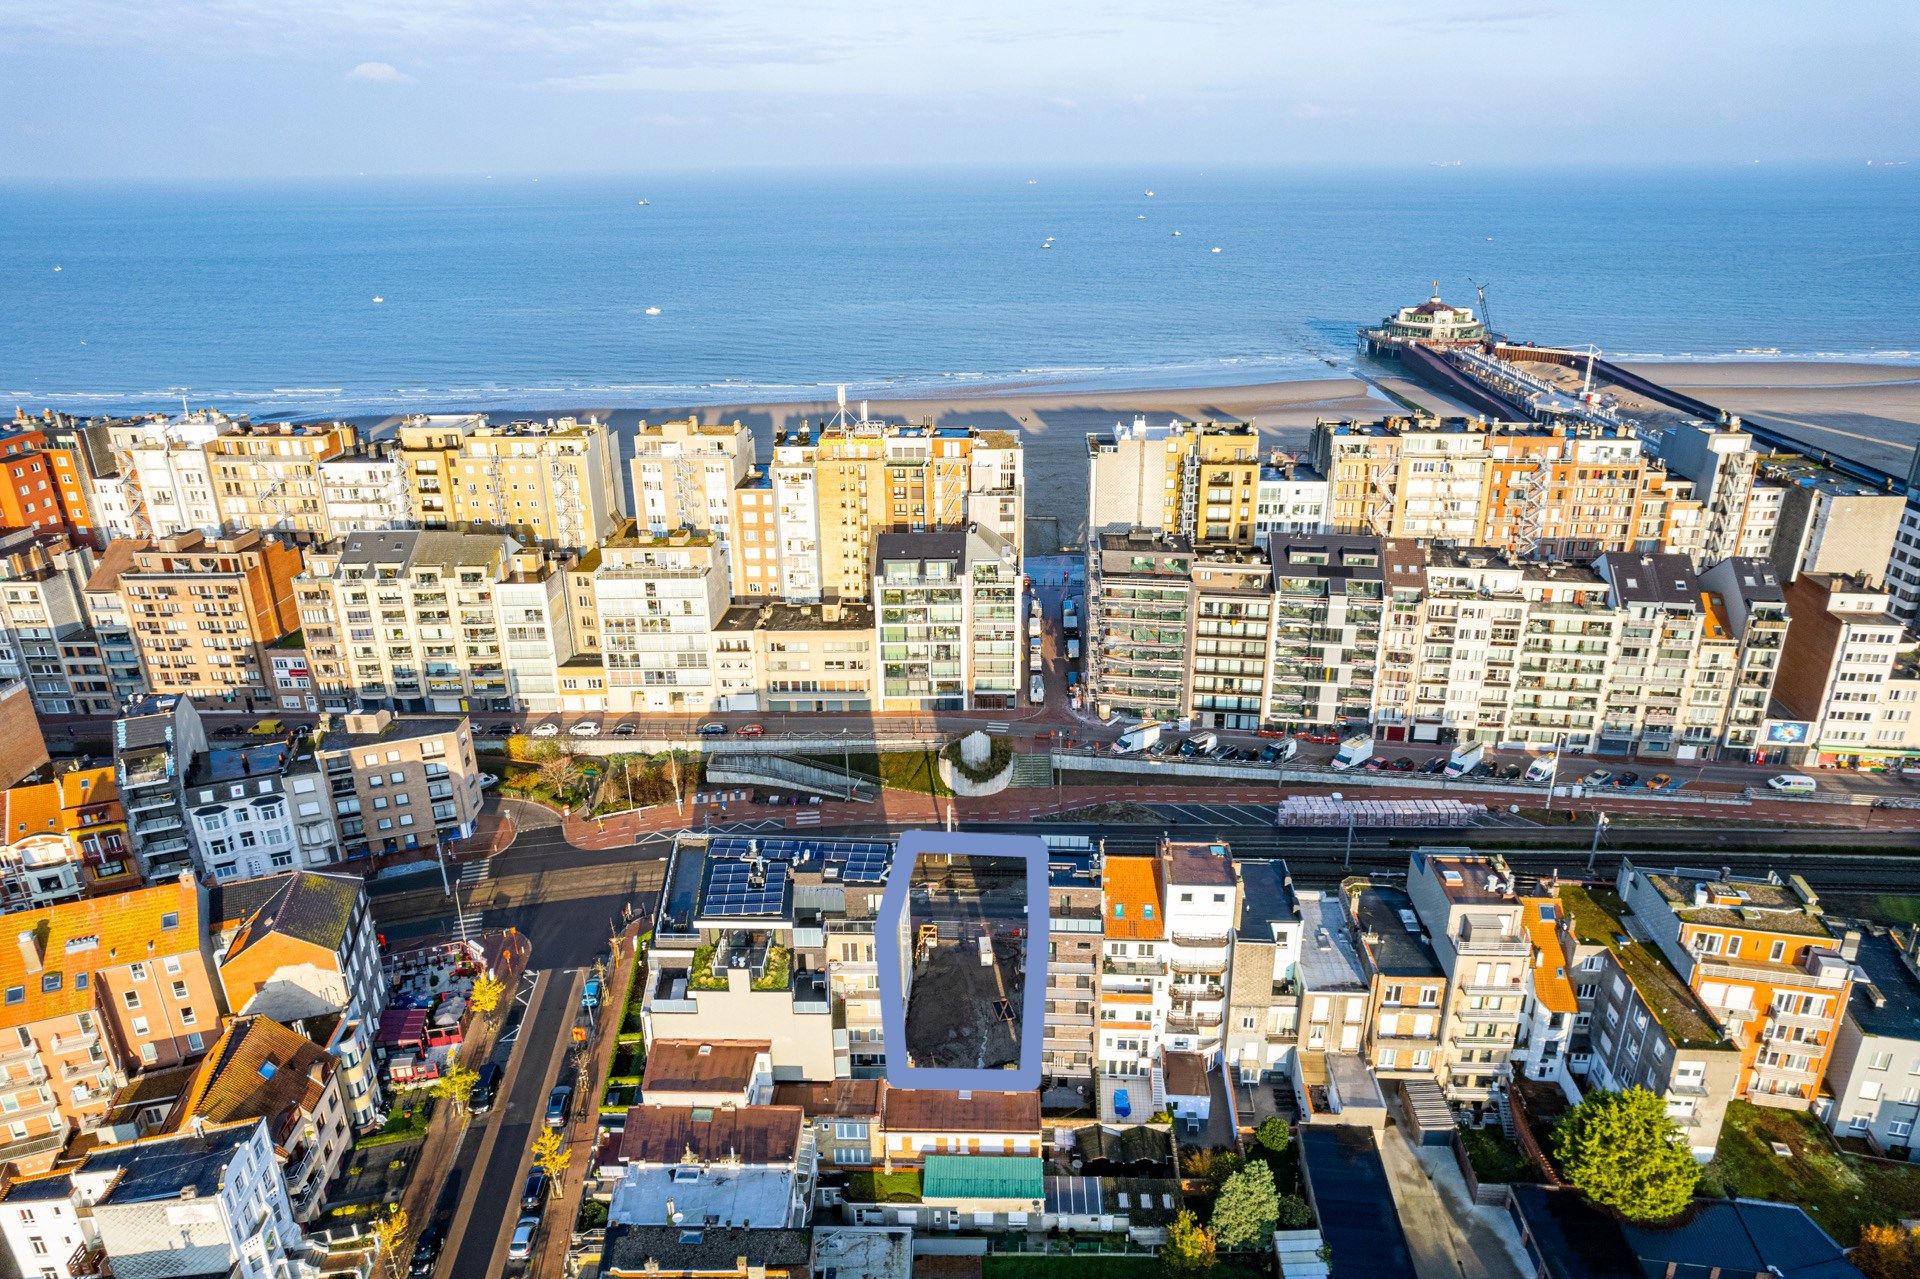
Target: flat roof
x=1328, y=960
x=1595, y=918
x=1396, y=949
x=1347, y=1184
x=1890, y=976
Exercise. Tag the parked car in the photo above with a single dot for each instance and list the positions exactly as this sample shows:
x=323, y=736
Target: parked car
x=1373, y=763
x=1320, y=736
x=713, y=730
x=486, y=1084
x=1660, y=781
x=1626, y=780
x=1188, y=749
x=627, y=729
x=1437, y=764
x=546, y=728
x=1598, y=777
x=1510, y=771
x=533, y=1195
x=521, y=1247
x=557, y=1105
x=1482, y=769
x=426, y=1251
x=1271, y=754
x=586, y=728
x=751, y=730
x=1404, y=764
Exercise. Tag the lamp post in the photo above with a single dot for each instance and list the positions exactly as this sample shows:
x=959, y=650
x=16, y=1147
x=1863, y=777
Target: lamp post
x=1599, y=829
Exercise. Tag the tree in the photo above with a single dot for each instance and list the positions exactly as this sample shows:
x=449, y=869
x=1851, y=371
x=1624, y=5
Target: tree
x=1624, y=1152
x=1189, y=1248
x=550, y=1154
x=1248, y=1206
x=456, y=1085
x=1888, y=1252
x=390, y=1242
x=1212, y=1166
x=1274, y=1134
x=1294, y=1213
x=485, y=995
x=560, y=773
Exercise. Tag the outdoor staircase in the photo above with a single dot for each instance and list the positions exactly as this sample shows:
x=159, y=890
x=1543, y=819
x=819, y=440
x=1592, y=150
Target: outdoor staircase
x=1032, y=770
x=1157, y=1087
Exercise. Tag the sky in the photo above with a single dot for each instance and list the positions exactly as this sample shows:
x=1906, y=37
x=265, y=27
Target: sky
x=257, y=89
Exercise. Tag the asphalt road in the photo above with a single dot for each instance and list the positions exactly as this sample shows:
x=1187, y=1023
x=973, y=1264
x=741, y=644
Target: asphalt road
x=503, y=1156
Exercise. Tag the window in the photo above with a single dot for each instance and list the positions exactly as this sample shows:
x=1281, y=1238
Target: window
x=179, y=990
x=132, y=998
x=170, y=921
x=1119, y=910
x=138, y=972
x=1881, y=1060
x=196, y=1041
x=1778, y=953
x=140, y=1026
x=1870, y=1090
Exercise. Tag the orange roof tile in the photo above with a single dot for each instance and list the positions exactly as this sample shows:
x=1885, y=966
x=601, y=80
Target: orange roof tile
x=258, y=1069
x=1550, y=984
x=1132, y=902
x=87, y=788
x=30, y=810
x=86, y=937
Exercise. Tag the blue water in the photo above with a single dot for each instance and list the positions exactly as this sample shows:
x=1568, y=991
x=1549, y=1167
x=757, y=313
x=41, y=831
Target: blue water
x=524, y=293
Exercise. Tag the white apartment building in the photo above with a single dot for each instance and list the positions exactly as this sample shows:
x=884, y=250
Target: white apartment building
x=1133, y=967
x=660, y=599
x=947, y=619
x=684, y=475
x=1843, y=645
x=169, y=482
x=257, y=809
x=1467, y=646
x=364, y=491
x=46, y=641
x=1202, y=909
x=1291, y=498
x=796, y=512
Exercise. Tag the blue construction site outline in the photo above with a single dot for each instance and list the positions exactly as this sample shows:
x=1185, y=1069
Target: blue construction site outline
x=895, y=906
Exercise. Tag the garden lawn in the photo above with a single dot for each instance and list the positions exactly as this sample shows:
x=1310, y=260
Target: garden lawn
x=884, y=1187
x=401, y=1125
x=1494, y=1158
x=1842, y=1192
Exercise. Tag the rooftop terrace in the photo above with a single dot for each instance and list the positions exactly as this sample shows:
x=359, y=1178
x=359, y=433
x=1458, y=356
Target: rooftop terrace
x=1595, y=918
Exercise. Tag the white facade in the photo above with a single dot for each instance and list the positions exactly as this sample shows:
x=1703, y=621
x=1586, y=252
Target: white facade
x=1290, y=500
x=41, y=1229
x=1202, y=909
x=797, y=512
x=167, y=462
x=362, y=491
x=659, y=599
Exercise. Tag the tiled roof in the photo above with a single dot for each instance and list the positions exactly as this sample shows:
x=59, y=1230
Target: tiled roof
x=258, y=1069
x=1135, y=908
x=752, y=1134
x=306, y=905
x=30, y=810
x=84, y=937
x=841, y=1099
x=162, y=1167
x=696, y=1065
x=87, y=787
x=1549, y=972
x=943, y=1110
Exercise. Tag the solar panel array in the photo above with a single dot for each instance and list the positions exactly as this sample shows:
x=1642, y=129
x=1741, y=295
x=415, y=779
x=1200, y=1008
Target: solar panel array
x=860, y=861
x=741, y=888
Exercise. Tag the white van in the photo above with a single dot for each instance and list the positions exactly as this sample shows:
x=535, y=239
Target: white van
x=1793, y=784
x=1037, y=689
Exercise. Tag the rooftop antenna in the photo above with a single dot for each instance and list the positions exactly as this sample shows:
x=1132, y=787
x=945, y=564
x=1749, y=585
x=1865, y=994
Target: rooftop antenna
x=840, y=397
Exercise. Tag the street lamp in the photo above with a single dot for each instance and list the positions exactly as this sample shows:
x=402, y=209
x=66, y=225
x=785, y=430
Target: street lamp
x=1599, y=828
x=1338, y=798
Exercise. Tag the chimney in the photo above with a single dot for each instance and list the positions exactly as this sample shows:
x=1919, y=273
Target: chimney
x=1850, y=945
x=30, y=951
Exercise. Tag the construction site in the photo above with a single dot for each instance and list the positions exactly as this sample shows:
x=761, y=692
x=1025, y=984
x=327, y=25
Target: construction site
x=968, y=924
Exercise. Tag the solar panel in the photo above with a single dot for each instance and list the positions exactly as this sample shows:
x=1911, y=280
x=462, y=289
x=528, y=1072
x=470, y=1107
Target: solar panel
x=738, y=888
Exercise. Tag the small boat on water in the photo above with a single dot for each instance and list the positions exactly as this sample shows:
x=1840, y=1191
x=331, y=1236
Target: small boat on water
x=1139, y=217
x=58, y=267
x=1216, y=248
x=1176, y=233
x=1149, y=195
x=643, y=203
x=653, y=310
x=377, y=299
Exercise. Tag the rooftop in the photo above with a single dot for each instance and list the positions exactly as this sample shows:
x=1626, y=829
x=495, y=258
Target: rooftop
x=258, y=1069
x=1266, y=899
x=307, y=905
x=669, y=1135
x=1665, y=579
x=1541, y=916
x=1391, y=933
x=1186, y=1074
x=1737, y=902
x=701, y=1066
x=840, y=1099
x=1328, y=960
x=1888, y=1002
x=983, y=1177
x=863, y=1252
x=943, y=1110
x=1594, y=917
x=1204, y=863
x=703, y=1195
x=1135, y=904
x=74, y=940
x=645, y=1250
x=160, y=1168
x=1718, y=1236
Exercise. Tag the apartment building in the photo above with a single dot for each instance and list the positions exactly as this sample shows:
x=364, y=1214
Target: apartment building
x=1638, y=1024
x=687, y=1072
x=684, y=474
x=212, y=1201
x=202, y=611
x=1756, y=611
x=1139, y=623
x=1830, y=523
x=1571, y=638
x=1198, y=480
x=259, y=807
x=1551, y=1009
x=154, y=746
x=95, y=989
x=658, y=599
x=1335, y=992
x=1233, y=603
x=23, y=751
x=165, y=479
x=1840, y=651
x=947, y=615
x=1759, y=955
x=364, y=490
x=1741, y=510
x=432, y=620
x=45, y=640
x=1291, y=498
x=933, y=1121
x=739, y=951
x=300, y=948
x=80, y=452
x=1672, y=678
x=1328, y=609
x=1407, y=986
x=1201, y=910
x=1873, y=1072
x=63, y=839
x=1263, y=987
x=397, y=784
x=797, y=658
x=1468, y=908
x=30, y=491
x=1460, y=666
x=1075, y=941
x=261, y=1071
x=266, y=476
x=41, y=1229
x=549, y=483
x=113, y=631
x=1134, y=1000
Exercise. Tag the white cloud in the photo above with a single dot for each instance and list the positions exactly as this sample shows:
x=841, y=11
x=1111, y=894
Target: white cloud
x=379, y=73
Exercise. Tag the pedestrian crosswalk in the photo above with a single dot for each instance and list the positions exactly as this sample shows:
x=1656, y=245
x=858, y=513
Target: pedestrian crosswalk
x=473, y=872
x=466, y=888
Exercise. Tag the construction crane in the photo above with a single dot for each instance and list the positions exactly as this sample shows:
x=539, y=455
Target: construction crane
x=1480, y=296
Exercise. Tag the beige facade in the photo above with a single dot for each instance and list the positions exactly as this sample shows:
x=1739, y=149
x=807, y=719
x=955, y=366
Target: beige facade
x=547, y=482
x=268, y=476
x=400, y=784
x=684, y=474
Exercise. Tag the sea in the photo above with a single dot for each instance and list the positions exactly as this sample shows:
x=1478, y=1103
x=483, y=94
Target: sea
x=378, y=295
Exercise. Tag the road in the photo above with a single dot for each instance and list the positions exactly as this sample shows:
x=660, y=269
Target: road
x=501, y=1153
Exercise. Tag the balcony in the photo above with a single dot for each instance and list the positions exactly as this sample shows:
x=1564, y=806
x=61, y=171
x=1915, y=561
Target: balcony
x=1134, y=967
x=1212, y=1021
x=1200, y=941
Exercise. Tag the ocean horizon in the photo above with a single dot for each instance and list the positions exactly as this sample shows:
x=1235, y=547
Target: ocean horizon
x=361, y=297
